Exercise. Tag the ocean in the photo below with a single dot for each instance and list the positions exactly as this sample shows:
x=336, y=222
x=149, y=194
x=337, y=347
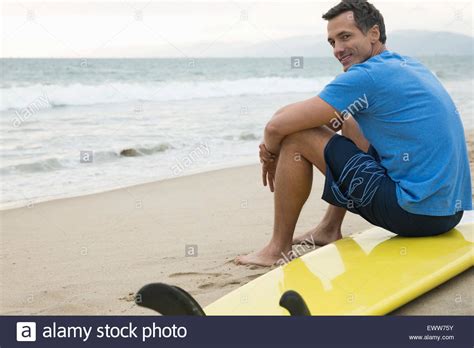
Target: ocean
x=77, y=126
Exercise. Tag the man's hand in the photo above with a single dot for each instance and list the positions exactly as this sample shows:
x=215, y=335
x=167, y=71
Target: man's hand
x=268, y=173
x=269, y=163
x=265, y=155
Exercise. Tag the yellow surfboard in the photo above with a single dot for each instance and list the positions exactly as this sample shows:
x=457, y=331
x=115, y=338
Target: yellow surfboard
x=369, y=273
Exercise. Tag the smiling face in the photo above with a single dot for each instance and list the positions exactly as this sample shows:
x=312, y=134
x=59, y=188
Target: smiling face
x=350, y=44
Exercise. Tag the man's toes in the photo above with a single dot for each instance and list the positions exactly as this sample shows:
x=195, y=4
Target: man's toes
x=238, y=260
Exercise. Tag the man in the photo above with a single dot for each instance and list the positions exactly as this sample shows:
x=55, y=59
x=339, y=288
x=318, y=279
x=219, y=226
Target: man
x=401, y=161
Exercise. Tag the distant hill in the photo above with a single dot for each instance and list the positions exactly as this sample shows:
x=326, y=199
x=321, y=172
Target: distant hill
x=418, y=43
x=415, y=43
x=409, y=42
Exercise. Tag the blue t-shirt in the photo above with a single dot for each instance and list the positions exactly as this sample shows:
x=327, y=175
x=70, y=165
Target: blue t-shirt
x=407, y=115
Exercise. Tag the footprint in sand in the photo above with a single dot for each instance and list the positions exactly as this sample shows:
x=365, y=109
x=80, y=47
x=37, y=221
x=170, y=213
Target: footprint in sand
x=222, y=284
x=218, y=284
x=129, y=298
x=215, y=280
x=198, y=274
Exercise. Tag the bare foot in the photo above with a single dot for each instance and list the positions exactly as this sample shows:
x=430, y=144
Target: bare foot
x=266, y=257
x=320, y=235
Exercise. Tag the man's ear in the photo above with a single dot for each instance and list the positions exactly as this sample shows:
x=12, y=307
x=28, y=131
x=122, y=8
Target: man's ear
x=374, y=33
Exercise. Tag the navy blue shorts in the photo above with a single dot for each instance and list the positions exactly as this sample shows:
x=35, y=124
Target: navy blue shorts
x=355, y=180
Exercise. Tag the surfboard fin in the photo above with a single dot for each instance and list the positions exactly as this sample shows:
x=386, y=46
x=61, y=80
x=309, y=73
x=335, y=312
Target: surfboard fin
x=168, y=300
x=294, y=303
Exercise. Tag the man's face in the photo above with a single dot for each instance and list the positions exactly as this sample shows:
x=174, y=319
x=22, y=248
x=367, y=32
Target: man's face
x=350, y=45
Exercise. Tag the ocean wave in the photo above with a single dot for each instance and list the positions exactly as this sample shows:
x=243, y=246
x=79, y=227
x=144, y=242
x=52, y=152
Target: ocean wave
x=143, y=151
x=53, y=164
x=248, y=136
x=46, y=165
x=35, y=97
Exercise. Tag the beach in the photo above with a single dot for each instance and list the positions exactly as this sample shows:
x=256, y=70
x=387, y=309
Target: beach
x=88, y=255
x=121, y=172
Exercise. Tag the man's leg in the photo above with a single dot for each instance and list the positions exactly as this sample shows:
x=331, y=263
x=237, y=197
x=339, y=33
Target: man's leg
x=329, y=228
x=293, y=180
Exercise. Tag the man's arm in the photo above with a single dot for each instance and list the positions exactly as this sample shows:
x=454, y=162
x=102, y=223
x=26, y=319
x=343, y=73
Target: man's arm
x=310, y=113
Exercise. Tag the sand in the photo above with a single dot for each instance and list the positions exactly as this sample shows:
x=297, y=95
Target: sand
x=88, y=255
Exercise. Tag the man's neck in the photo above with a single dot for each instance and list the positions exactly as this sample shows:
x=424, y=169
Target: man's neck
x=377, y=49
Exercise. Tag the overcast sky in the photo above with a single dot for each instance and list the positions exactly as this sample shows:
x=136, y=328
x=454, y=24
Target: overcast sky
x=114, y=28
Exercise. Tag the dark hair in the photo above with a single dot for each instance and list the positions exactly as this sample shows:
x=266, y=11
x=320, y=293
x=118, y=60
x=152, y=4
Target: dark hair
x=365, y=15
